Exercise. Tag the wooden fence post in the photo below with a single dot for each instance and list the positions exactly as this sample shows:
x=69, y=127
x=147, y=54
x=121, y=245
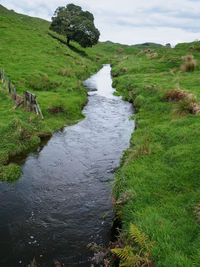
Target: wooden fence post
x=39, y=110
x=14, y=93
x=30, y=100
x=4, y=76
x=25, y=99
x=9, y=86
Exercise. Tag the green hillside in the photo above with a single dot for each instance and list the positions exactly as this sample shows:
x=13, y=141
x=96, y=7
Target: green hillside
x=157, y=186
x=39, y=61
x=148, y=45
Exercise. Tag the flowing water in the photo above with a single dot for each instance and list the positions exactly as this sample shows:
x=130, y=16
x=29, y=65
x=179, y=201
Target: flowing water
x=58, y=205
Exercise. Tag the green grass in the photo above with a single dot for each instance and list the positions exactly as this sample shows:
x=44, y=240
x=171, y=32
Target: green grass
x=160, y=171
x=161, y=168
x=39, y=61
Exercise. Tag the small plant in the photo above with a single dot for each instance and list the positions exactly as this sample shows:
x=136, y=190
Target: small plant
x=186, y=102
x=131, y=249
x=137, y=250
x=123, y=199
x=175, y=95
x=189, y=64
x=10, y=173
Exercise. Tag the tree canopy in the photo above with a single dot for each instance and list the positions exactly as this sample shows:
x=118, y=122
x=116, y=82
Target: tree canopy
x=77, y=25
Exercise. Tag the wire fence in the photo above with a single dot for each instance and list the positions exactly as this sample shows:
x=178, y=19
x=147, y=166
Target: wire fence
x=28, y=100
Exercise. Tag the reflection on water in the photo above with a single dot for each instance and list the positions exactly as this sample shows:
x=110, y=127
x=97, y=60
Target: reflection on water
x=57, y=206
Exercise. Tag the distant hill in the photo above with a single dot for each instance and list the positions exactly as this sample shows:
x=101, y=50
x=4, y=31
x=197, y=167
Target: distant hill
x=139, y=46
x=148, y=45
x=24, y=18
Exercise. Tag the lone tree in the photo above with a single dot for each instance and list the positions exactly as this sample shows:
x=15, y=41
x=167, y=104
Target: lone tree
x=77, y=25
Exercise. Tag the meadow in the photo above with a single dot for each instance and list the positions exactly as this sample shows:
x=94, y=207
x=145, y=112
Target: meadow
x=38, y=60
x=157, y=187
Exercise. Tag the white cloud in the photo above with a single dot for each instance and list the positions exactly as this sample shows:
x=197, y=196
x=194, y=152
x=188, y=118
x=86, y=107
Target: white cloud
x=128, y=21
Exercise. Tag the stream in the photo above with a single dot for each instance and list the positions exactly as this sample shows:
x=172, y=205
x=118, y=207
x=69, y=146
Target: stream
x=58, y=205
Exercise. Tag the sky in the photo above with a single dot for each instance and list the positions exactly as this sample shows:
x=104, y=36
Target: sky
x=128, y=21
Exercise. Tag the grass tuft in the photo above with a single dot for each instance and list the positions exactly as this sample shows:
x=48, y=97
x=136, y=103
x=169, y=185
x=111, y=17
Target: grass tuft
x=10, y=173
x=189, y=64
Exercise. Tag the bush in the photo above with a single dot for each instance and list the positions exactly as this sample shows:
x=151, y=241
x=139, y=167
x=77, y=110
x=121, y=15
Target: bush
x=186, y=102
x=189, y=64
x=3, y=157
x=10, y=173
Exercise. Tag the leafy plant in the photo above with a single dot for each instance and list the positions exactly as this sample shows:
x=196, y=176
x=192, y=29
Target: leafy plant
x=137, y=251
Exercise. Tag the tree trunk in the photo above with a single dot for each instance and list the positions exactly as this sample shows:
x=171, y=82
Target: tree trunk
x=68, y=40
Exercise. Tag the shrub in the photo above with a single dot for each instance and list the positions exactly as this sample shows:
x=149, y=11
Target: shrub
x=175, y=95
x=3, y=157
x=186, y=102
x=189, y=64
x=10, y=173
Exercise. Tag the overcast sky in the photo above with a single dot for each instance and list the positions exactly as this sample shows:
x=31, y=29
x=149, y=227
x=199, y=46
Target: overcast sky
x=128, y=21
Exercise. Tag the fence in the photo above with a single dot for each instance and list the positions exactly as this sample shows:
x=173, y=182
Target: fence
x=28, y=100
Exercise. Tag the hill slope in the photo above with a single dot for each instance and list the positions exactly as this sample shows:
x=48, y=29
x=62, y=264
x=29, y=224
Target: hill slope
x=160, y=173
x=39, y=61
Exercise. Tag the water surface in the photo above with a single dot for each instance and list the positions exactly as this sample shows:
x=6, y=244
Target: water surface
x=57, y=206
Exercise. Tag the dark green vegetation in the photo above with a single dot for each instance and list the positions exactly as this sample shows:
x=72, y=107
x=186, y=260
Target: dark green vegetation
x=160, y=172
x=147, y=45
x=76, y=25
x=38, y=60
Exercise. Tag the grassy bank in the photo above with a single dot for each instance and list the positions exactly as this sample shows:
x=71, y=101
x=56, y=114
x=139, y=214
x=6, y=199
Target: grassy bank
x=39, y=61
x=160, y=172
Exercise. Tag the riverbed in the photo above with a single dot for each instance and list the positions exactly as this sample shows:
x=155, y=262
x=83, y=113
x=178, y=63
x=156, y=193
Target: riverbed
x=62, y=201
